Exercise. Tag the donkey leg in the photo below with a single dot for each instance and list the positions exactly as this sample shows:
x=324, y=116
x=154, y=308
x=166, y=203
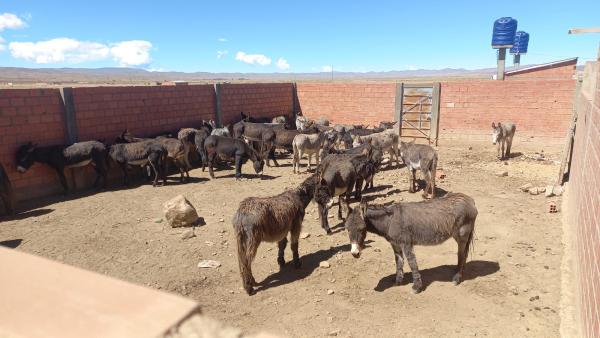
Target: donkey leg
x=508, y=145
x=309, y=158
x=464, y=243
x=294, y=237
x=281, y=244
x=399, y=265
x=246, y=253
x=503, y=153
x=407, y=249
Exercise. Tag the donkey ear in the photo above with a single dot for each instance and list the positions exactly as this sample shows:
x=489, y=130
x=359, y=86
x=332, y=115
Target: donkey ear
x=493, y=125
x=499, y=124
x=323, y=181
x=363, y=207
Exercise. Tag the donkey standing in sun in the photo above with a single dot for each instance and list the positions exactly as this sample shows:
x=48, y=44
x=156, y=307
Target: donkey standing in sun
x=503, y=134
x=404, y=225
x=269, y=219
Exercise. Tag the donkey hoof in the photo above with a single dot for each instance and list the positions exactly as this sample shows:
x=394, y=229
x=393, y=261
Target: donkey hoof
x=250, y=290
x=457, y=278
x=399, y=281
x=417, y=287
x=328, y=232
x=281, y=262
x=297, y=264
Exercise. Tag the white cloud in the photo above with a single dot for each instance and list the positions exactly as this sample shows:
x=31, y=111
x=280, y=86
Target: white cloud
x=253, y=58
x=59, y=50
x=126, y=53
x=283, y=64
x=221, y=53
x=327, y=69
x=2, y=46
x=11, y=21
x=222, y=40
x=132, y=53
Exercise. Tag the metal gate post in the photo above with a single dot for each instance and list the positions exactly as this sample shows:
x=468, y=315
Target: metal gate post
x=435, y=112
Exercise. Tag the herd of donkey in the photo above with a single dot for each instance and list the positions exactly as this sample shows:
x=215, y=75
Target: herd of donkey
x=347, y=156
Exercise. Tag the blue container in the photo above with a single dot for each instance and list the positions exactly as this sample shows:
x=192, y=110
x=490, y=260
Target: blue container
x=521, y=43
x=504, y=32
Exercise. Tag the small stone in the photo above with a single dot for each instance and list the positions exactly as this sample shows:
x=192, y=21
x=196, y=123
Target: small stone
x=526, y=187
x=209, y=263
x=304, y=235
x=505, y=163
x=330, y=292
x=534, y=191
x=558, y=190
x=376, y=249
x=324, y=265
x=541, y=189
x=333, y=333
x=332, y=280
x=549, y=191
x=502, y=173
x=158, y=220
x=209, y=243
x=188, y=234
x=221, y=220
x=330, y=216
x=531, y=299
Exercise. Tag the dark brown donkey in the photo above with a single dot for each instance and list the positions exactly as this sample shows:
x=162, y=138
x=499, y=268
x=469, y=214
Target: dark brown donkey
x=405, y=225
x=423, y=157
x=269, y=220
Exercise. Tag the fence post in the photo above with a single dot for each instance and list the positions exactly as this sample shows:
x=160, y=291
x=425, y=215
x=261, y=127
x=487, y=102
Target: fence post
x=295, y=102
x=398, y=106
x=218, y=115
x=435, y=112
x=66, y=94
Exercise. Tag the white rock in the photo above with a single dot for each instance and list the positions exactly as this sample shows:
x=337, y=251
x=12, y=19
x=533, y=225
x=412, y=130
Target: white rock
x=534, y=191
x=179, y=212
x=549, y=191
x=304, y=235
x=221, y=220
x=502, y=173
x=188, y=234
x=526, y=187
x=209, y=263
x=324, y=265
x=330, y=292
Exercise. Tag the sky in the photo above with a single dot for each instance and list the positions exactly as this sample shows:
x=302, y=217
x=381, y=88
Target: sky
x=285, y=36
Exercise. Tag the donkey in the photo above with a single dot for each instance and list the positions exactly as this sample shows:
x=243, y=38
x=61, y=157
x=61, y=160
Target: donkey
x=60, y=157
x=424, y=157
x=148, y=152
x=404, y=225
x=231, y=149
x=386, y=140
x=260, y=133
x=247, y=118
x=6, y=192
x=502, y=134
x=223, y=131
x=269, y=219
x=338, y=176
x=309, y=144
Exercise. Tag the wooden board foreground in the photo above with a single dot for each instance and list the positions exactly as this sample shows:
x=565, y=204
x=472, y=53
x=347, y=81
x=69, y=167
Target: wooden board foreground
x=43, y=298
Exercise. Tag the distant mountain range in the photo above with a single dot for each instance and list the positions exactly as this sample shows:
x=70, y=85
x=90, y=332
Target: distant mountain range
x=58, y=76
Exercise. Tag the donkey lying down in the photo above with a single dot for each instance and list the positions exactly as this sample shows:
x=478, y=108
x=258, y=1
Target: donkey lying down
x=404, y=225
x=269, y=219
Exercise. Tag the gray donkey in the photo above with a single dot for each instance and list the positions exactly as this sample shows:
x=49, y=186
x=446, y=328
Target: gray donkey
x=269, y=219
x=502, y=134
x=423, y=157
x=405, y=225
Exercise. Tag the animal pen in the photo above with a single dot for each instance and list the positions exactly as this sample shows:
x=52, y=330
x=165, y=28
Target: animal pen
x=514, y=273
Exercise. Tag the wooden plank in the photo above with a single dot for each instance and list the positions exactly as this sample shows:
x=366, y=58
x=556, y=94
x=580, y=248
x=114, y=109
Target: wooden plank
x=584, y=30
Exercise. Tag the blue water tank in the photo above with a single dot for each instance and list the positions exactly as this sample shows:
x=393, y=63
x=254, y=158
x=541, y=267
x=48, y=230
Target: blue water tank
x=521, y=42
x=504, y=32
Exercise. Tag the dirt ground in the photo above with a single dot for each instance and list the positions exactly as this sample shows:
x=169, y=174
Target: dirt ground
x=511, y=287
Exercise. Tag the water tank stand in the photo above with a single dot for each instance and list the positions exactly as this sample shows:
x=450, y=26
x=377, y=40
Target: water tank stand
x=517, y=60
x=501, y=61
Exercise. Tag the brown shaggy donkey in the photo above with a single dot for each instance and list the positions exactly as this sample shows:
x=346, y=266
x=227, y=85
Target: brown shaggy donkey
x=269, y=219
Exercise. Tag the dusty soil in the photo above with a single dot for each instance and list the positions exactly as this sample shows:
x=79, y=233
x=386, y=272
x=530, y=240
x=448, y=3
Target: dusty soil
x=512, y=285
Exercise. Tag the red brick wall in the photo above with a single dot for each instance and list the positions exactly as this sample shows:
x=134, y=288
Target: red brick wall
x=34, y=115
x=348, y=103
x=540, y=108
x=104, y=112
x=257, y=99
x=584, y=208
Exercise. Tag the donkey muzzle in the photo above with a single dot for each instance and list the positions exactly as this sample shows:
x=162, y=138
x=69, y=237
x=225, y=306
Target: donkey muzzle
x=355, y=250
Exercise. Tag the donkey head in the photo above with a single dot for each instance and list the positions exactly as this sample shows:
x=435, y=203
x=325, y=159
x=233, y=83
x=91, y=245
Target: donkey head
x=357, y=228
x=25, y=157
x=496, y=132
